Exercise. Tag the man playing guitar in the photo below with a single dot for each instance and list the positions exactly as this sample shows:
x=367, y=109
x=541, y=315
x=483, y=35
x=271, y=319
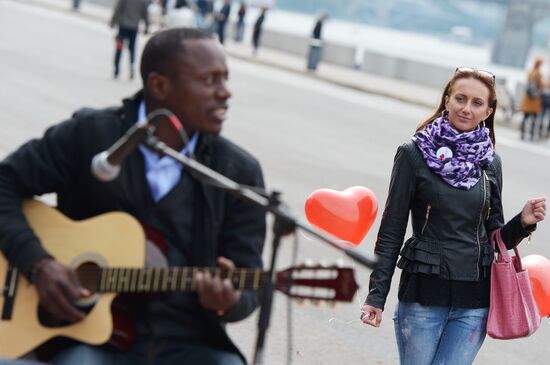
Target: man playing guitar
x=184, y=71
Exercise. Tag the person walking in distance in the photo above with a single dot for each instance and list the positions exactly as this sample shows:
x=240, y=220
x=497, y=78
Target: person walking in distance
x=316, y=43
x=449, y=179
x=257, y=31
x=239, y=26
x=531, y=105
x=544, y=115
x=76, y=5
x=194, y=223
x=205, y=18
x=127, y=16
x=222, y=18
x=181, y=16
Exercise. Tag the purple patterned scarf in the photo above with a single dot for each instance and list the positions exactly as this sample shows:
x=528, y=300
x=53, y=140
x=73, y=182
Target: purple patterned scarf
x=458, y=157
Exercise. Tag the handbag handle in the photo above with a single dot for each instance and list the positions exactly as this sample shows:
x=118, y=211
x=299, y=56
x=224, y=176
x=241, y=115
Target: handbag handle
x=496, y=239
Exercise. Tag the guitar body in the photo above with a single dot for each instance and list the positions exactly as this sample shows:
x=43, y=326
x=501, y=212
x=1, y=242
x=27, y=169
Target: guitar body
x=108, y=253
x=110, y=240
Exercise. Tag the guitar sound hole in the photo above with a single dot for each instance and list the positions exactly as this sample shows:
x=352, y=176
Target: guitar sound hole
x=88, y=274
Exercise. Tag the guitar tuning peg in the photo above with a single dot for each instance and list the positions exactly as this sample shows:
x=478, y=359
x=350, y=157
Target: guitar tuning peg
x=300, y=301
x=331, y=304
x=315, y=302
x=302, y=264
x=323, y=263
x=340, y=263
x=309, y=263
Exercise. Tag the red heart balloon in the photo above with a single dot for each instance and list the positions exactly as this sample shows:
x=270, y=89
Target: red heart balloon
x=539, y=275
x=347, y=214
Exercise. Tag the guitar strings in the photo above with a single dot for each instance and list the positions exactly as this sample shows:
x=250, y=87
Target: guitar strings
x=171, y=278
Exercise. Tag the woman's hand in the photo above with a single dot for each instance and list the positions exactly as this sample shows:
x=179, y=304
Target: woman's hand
x=533, y=211
x=371, y=315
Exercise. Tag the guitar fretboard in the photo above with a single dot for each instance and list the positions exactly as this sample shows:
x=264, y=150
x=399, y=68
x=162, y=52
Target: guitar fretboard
x=172, y=279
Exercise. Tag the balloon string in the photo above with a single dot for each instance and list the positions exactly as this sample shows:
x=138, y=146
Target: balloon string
x=347, y=323
x=357, y=299
x=359, y=304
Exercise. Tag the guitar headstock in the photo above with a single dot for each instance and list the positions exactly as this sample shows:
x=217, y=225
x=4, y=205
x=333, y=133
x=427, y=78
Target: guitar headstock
x=318, y=283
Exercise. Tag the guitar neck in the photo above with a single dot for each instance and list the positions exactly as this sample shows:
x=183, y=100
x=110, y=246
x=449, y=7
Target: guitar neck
x=167, y=279
x=316, y=282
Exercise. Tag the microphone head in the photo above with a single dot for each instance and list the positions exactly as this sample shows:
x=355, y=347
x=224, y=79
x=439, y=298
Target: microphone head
x=102, y=169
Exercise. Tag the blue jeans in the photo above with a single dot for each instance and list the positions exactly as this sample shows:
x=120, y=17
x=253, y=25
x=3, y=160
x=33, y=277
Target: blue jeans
x=239, y=31
x=438, y=335
x=313, y=58
x=144, y=352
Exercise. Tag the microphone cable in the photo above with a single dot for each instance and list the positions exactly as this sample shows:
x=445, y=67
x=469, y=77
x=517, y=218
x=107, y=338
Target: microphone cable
x=173, y=120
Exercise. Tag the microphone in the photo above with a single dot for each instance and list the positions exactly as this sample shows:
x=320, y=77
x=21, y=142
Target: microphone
x=106, y=165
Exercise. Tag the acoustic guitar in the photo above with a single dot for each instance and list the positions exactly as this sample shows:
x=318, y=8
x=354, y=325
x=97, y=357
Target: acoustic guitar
x=108, y=253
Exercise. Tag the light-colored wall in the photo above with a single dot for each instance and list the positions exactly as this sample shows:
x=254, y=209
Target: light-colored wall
x=405, y=69
x=333, y=53
x=285, y=42
x=338, y=54
x=376, y=63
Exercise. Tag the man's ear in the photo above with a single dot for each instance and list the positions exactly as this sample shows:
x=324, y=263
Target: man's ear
x=158, y=86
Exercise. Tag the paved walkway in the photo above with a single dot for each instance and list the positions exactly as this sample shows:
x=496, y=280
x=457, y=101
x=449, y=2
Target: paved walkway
x=346, y=77
x=405, y=91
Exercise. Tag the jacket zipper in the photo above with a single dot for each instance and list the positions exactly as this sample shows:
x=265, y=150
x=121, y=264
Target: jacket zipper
x=479, y=224
x=428, y=208
x=488, y=208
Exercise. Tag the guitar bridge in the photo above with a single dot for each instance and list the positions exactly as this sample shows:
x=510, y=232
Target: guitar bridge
x=9, y=292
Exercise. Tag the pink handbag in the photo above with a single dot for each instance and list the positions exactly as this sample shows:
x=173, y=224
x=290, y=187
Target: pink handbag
x=513, y=312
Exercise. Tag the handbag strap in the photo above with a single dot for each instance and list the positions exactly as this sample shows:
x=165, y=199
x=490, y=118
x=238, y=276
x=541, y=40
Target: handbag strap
x=496, y=239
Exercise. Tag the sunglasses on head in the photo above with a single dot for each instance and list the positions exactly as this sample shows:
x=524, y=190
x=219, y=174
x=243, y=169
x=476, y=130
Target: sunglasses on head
x=482, y=73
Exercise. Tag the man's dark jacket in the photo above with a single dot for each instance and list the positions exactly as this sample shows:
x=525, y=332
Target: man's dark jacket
x=60, y=162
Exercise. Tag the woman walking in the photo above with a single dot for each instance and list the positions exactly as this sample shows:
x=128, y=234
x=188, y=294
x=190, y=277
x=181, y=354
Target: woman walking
x=450, y=180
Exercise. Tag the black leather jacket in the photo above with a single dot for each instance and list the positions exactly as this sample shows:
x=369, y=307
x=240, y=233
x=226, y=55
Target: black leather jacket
x=450, y=226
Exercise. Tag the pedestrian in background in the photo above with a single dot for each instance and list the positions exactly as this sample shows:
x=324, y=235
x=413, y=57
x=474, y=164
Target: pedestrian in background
x=257, y=32
x=205, y=14
x=450, y=179
x=164, y=7
x=316, y=43
x=181, y=16
x=239, y=26
x=545, y=112
x=76, y=5
x=127, y=16
x=531, y=105
x=222, y=19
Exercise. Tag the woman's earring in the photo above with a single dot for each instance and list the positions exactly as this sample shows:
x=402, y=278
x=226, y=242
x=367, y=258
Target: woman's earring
x=482, y=124
x=444, y=113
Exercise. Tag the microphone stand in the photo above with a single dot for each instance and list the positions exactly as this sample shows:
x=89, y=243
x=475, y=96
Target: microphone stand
x=284, y=224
